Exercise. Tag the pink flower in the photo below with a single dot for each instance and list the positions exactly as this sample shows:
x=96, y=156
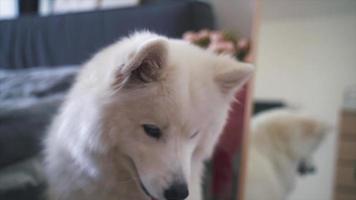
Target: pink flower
x=219, y=42
x=190, y=36
x=224, y=47
x=216, y=36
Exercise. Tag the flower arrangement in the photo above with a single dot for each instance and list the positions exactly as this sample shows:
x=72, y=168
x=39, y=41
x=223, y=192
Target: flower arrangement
x=220, y=42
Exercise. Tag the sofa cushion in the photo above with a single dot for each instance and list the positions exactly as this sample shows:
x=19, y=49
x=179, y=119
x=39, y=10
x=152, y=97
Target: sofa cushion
x=23, y=180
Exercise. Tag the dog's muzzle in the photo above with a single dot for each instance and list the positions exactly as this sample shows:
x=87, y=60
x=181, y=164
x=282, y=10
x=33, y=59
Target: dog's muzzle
x=177, y=191
x=145, y=190
x=139, y=179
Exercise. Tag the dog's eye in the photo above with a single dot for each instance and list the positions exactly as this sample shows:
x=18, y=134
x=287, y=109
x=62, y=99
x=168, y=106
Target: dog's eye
x=152, y=130
x=194, y=134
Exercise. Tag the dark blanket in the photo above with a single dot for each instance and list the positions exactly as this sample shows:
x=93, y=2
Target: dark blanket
x=28, y=100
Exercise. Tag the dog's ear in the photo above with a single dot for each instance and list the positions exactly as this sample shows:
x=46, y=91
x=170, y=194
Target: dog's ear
x=314, y=128
x=234, y=77
x=145, y=64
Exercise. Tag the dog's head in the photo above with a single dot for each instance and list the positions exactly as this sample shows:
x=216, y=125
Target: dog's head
x=165, y=103
x=291, y=133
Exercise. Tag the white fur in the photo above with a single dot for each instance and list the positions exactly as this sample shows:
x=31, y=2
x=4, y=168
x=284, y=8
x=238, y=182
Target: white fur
x=280, y=140
x=96, y=147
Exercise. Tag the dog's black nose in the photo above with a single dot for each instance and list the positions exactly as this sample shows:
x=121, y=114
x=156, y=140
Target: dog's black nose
x=177, y=191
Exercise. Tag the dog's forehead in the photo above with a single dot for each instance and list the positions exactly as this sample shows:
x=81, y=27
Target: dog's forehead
x=167, y=106
x=186, y=97
x=191, y=83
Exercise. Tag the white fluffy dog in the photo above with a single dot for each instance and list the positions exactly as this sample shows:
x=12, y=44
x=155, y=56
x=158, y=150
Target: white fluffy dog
x=282, y=143
x=140, y=120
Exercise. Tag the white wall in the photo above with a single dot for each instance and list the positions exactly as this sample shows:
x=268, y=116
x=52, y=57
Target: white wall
x=306, y=56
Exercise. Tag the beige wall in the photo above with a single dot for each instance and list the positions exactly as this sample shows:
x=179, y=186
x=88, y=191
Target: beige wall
x=234, y=15
x=306, y=56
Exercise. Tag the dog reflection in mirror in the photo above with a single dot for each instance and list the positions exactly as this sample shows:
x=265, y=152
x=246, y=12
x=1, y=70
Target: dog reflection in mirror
x=282, y=144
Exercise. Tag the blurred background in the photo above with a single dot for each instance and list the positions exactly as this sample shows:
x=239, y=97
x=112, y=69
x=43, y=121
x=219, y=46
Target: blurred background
x=305, y=53
x=306, y=58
